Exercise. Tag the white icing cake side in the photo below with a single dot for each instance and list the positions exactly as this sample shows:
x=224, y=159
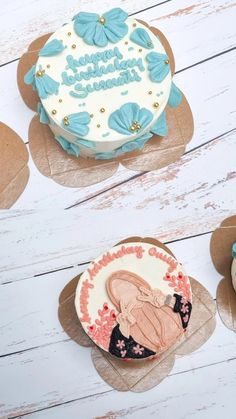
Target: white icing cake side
x=100, y=104
x=233, y=273
x=147, y=261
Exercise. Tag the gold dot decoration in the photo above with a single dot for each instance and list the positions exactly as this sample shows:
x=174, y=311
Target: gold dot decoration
x=98, y=125
x=48, y=66
x=126, y=42
x=66, y=120
x=135, y=126
x=54, y=111
x=167, y=61
x=150, y=92
x=73, y=46
x=40, y=73
x=140, y=50
x=156, y=105
x=69, y=33
x=134, y=25
x=60, y=100
x=102, y=20
x=91, y=115
x=102, y=110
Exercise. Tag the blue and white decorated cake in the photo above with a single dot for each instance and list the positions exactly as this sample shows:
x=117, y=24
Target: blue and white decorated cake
x=103, y=82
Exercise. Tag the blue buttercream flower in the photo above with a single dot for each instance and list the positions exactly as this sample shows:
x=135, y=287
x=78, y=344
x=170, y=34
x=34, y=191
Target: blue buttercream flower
x=141, y=37
x=175, y=96
x=133, y=145
x=158, y=66
x=77, y=123
x=99, y=30
x=52, y=48
x=70, y=148
x=160, y=127
x=130, y=119
x=43, y=116
x=41, y=82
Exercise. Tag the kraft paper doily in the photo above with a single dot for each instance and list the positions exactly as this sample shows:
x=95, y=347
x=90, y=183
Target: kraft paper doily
x=13, y=166
x=139, y=376
x=52, y=161
x=221, y=253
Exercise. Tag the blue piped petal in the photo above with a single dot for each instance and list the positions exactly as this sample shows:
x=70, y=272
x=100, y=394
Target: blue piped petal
x=158, y=66
x=93, y=32
x=141, y=37
x=43, y=117
x=77, y=123
x=136, y=144
x=52, y=48
x=105, y=156
x=29, y=77
x=45, y=85
x=160, y=127
x=70, y=148
x=175, y=96
x=122, y=119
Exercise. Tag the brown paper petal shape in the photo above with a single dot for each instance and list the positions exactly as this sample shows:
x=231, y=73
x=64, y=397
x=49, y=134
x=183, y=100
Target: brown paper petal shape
x=141, y=376
x=222, y=240
x=29, y=96
x=13, y=165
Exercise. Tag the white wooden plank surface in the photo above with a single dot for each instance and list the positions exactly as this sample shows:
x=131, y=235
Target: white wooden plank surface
x=63, y=371
x=175, y=397
x=39, y=366
x=77, y=235
x=34, y=18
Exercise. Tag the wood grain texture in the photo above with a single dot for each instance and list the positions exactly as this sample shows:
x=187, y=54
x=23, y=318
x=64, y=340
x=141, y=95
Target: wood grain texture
x=65, y=372
x=31, y=19
x=176, y=395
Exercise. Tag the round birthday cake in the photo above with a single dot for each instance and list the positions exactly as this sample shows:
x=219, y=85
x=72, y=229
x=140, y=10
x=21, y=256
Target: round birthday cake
x=103, y=82
x=134, y=301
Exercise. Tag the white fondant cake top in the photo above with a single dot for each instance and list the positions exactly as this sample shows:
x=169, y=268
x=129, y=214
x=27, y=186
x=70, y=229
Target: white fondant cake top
x=102, y=103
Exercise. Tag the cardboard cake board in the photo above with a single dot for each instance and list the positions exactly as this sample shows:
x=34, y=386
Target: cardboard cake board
x=221, y=253
x=139, y=376
x=13, y=166
x=53, y=162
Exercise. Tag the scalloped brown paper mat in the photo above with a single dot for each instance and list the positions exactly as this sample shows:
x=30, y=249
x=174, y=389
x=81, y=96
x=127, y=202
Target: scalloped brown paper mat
x=52, y=161
x=221, y=253
x=13, y=166
x=140, y=376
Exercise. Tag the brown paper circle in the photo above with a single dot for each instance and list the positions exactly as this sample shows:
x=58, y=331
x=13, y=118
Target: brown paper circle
x=141, y=376
x=29, y=96
x=13, y=165
x=221, y=243
x=226, y=303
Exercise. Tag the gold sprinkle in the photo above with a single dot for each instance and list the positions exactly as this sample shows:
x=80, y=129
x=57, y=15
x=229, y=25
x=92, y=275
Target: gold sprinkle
x=60, y=100
x=73, y=46
x=69, y=33
x=48, y=65
x=54, y=111
x=102, y=110
x=150, y=92
x=66, y=122
x=102, y=20
x=98, y=125
x=91, y=115
x=40, y=73
x=140, y=50
x=156, y=104
x=167, y=61
x=134, y=25
x=126, y=42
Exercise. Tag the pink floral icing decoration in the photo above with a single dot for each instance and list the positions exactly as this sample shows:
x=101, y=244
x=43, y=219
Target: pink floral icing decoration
x=100, y=331
x=180, y=285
